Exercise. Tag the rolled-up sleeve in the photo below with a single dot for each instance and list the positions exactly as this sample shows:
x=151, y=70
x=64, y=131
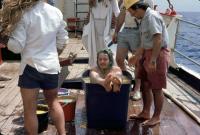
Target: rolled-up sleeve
x=155, y=25
x=62, y=35
x=17, y=38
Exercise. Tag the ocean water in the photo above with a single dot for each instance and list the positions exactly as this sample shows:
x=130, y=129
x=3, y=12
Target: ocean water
x=188, y=48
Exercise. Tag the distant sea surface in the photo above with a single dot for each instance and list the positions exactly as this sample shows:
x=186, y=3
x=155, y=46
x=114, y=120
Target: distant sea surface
x=190, y=49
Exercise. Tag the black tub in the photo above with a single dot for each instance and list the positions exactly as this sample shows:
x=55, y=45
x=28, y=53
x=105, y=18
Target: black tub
x=106, y=110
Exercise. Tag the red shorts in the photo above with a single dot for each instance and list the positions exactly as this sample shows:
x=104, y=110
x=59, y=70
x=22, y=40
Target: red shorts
x=157, y=79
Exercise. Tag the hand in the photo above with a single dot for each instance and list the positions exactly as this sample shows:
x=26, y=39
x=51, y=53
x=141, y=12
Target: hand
x=2, y=45
x=69, y=60
x=114, y=38
x=152, y=66
x=72, y=57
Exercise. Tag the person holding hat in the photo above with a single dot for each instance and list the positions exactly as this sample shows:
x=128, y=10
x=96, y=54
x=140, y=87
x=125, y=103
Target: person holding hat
x=154, y=59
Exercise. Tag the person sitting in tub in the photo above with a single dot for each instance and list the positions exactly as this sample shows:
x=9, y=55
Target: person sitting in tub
x=105, y=73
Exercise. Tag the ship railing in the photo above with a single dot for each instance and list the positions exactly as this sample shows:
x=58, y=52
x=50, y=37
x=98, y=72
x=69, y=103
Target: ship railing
x=189, y=40
x=173, y=26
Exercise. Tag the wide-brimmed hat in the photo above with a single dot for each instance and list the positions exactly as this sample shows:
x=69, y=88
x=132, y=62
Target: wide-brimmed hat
x=129, y=3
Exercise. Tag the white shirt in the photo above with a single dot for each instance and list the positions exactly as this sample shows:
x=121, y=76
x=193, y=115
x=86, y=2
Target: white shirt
x=36, y=37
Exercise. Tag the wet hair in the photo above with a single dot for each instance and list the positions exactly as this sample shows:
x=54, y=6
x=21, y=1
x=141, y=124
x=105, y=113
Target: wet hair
x=140, y=4
x=12, y=12
x=110, y=57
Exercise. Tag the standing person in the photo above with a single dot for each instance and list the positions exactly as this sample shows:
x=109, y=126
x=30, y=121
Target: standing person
x=128, y=39
x=37, y=31
x=99, y=26
x=154, y=61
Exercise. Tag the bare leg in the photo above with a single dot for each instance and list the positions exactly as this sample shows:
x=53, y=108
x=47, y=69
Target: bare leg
x=116, y=84
x=120, y=57
x=107, y=84
x=29, y=97
x=147, y=100
x=56, y=110
x=158, y=101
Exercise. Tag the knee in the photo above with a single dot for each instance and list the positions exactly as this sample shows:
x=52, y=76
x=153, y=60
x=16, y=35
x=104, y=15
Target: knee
x=157, y=91
x=54, y=105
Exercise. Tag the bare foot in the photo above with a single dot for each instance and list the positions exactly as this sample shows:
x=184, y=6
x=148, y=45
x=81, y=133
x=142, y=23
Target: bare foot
x=141, y=116
x=116, y=84
x=108, y=83
x=152, y=122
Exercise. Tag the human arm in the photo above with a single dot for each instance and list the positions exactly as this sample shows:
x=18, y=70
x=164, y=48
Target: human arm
x=119, y=22
x=17, y=39
x=156, y=29
x=157, y=39
x=62, y=35
x=96, y=78
x=136, y=56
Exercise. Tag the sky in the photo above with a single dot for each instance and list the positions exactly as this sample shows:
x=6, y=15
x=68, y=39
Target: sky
x=180, y=5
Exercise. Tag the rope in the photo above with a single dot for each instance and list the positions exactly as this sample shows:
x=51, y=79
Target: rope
x=170, y=5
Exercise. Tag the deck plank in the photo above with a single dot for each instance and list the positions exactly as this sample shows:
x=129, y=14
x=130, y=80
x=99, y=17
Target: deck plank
x=173, y=119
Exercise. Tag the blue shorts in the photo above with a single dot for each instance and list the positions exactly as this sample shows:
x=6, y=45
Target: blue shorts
x=31, y=79
x=129, y=38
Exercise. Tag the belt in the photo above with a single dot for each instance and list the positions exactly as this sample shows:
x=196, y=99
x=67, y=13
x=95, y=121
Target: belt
x=130, y=27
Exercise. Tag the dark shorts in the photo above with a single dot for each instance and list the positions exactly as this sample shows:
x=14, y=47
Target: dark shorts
x=31, y=79
x=157, y=79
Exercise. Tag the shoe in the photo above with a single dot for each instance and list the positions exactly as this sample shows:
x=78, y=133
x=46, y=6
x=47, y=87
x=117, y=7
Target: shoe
x=136, y=96
x=2, y=86
x=4, y=78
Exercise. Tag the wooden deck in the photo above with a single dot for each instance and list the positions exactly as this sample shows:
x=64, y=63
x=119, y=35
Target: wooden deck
x=174, y=121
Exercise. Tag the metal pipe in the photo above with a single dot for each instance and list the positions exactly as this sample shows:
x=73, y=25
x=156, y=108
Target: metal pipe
x=194, y=24
x=187, y=39
x=187, y=57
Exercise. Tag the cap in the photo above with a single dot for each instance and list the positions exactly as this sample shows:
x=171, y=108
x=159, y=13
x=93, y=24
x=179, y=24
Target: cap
x=129, y=3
